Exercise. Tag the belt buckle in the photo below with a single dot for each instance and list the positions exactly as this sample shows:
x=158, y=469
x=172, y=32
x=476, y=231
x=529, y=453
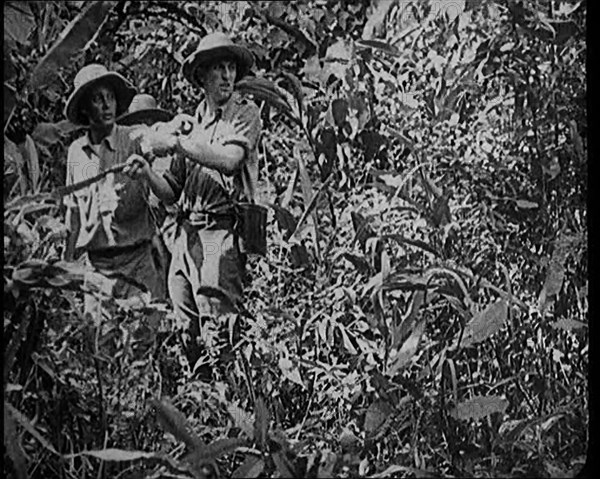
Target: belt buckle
x=205, y=221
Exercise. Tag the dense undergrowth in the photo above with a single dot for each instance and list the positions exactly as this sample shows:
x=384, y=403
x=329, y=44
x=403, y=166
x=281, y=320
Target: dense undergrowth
x=422, y=310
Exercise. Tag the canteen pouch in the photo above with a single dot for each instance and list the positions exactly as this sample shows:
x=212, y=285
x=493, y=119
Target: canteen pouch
x=253, y=228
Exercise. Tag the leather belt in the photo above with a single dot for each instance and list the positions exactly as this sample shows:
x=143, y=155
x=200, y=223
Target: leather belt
x=114, y=251
x=204, y=221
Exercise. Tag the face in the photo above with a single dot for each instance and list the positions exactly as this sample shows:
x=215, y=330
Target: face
x=218, y=80
x=101, y=108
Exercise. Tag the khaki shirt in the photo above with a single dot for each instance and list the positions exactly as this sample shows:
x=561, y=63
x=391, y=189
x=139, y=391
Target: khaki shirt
x=113, y=211
x=204, y=190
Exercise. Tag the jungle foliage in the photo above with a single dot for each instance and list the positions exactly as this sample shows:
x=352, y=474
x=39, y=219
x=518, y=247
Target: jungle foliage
x=423, y=307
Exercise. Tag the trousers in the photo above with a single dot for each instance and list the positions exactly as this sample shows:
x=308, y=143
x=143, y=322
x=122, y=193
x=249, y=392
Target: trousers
x=126, y=272
x=205, y=282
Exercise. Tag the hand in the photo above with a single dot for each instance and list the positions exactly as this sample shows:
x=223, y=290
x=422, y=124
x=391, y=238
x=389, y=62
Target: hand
x=159, y=143
x=137, y=167
x=182, y=124
x=158, y=140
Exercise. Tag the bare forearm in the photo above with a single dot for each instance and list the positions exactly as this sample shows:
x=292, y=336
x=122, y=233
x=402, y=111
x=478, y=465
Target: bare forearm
x=225, y=158
x=161, y=188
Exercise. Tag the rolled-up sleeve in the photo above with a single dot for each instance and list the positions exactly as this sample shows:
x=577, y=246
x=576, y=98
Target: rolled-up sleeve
x=244, y=128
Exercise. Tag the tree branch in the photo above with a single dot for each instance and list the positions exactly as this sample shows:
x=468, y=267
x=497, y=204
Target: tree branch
x=178, y=14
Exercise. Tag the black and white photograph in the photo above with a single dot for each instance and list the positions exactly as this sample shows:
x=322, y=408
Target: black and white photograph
x=296, y=239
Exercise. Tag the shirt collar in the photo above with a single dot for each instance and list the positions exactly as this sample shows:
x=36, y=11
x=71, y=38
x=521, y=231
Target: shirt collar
x=110, y=140
x=224, y=109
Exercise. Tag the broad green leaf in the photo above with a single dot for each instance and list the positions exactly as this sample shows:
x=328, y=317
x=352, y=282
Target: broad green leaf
x=565, y=9
x=266, y=90
x=555, y=274
x=13, y=446
x=346, y=339
x=392, y=180
x=457, y=275
x=241, y=419
x=55, y=225
x=440, y=212
x=296, y=89
x=376, y=415
x=10, y=70
x=479, y=407
x=283, y=465
x=290, y=371
x=448, y=371
x=408, y=350
x=289, y=191
x=19, y=21
x=348, y=439
x=312, y=69
x=568, y=324
x=385, y=266
x=338, y=62
x=340, y=50
x=174, y=422
x=401, y=281
x=285, y=220
x=379, y=45
x=430, y=187
x=307, y=190
x=359, y=262
x=51, y=133
x=374, y=284
x=525, y=204
x=401, y=332
x=576, y=139
x=30, y=155
x=327, y=465
x=362, y=229
x=309, y=210
x=375, y=20
x=293, y=31
x=58, y=281
x=30, y=428
x=413, y=242
x=10, y=100
x=219, y=293
x=75, y=37
x=215, y=449
x=451, y=8
x=408, y=100
x=300, y=257
x=251, y=467
x=511, y=430
x=339, y=109
x=327, y=146
x=411, y=470
x=551, y=167
x=28, y=276
x=485, y=324
x=12, y=154
x=118, y=455
x=261, y=422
